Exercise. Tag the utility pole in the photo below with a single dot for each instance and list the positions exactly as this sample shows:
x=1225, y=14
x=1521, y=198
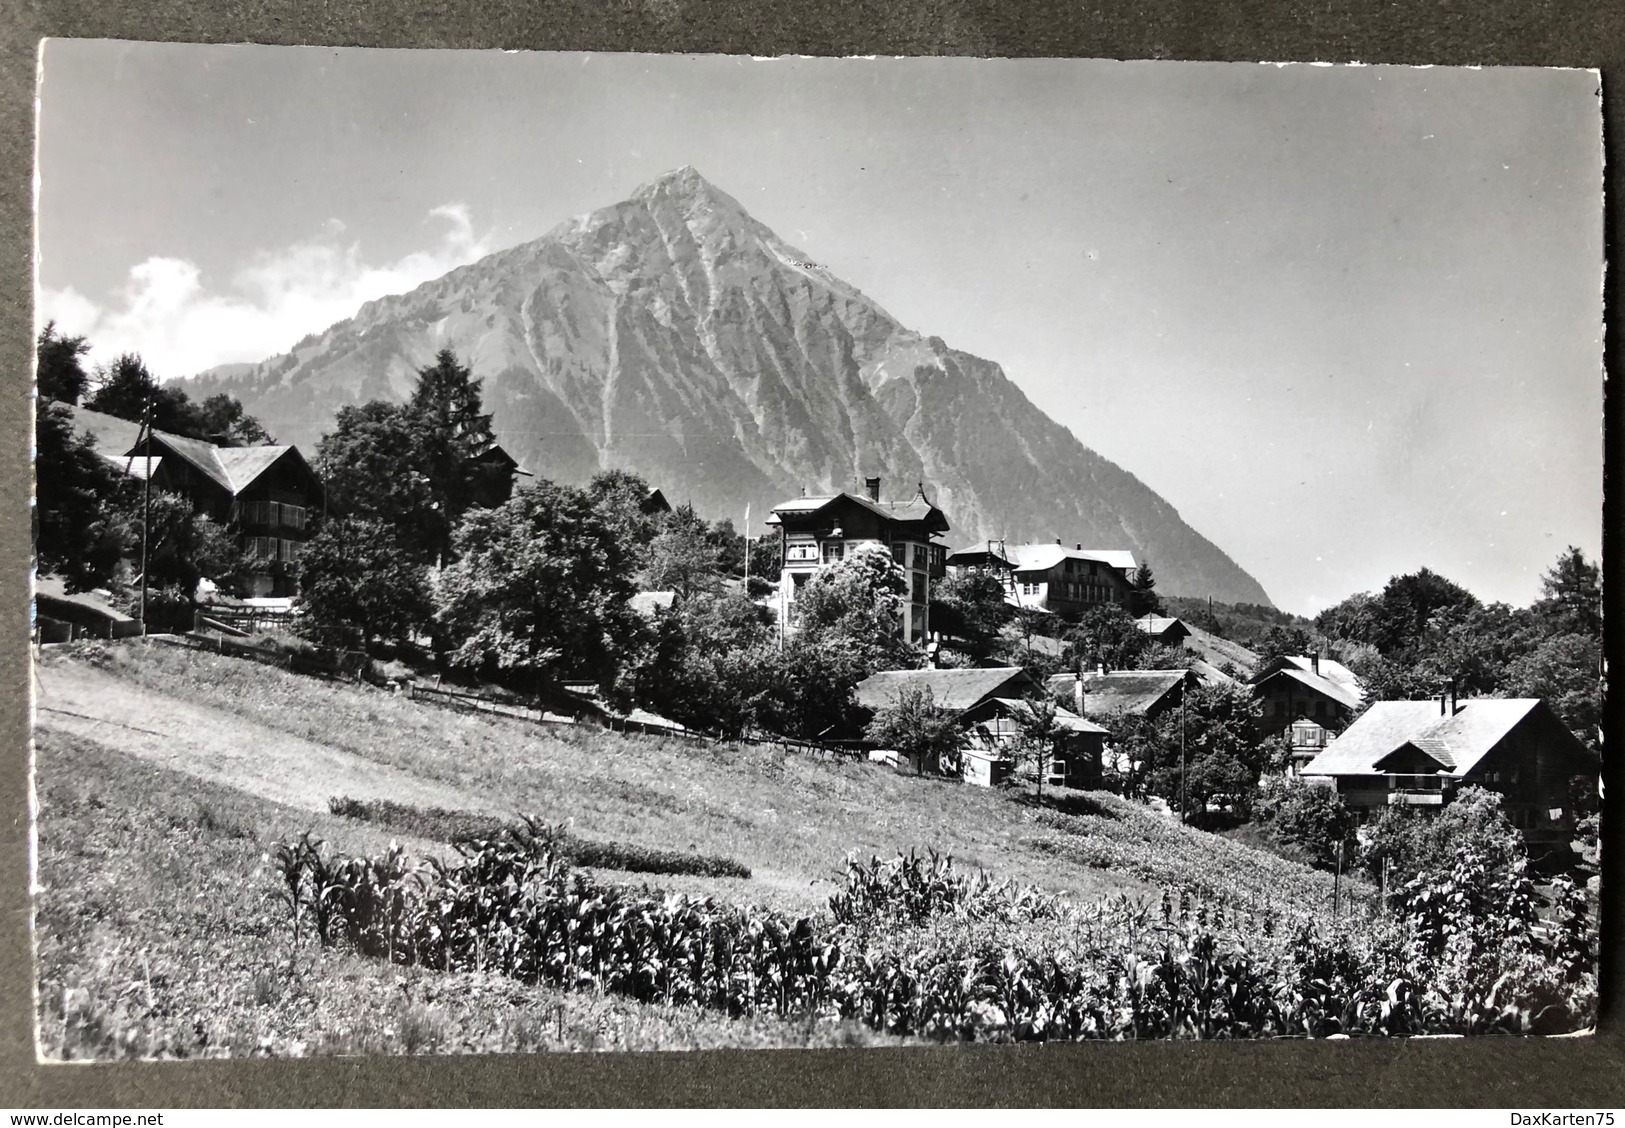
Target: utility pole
x=1337, y=882
x=144, y=441
x=1182, y=769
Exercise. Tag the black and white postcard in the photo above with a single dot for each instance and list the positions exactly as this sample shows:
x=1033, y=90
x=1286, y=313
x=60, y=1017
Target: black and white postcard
x=573, y=552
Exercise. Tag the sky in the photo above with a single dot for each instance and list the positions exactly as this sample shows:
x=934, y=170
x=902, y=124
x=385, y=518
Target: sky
x=1347, y=320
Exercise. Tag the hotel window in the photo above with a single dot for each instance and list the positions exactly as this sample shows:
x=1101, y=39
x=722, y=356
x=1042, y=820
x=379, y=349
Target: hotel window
x=919, y=587
x=834, y=551
x=803, y=551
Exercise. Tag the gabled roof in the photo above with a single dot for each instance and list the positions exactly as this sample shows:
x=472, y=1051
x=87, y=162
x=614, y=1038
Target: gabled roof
x=497, y=455
x=987, y=552
x=1328, y=668
x=1159, y=625
x=916, y=508
x=1065, y=718
x=956, y=690
x=233, y=469
x=1456, y=741
x=112, y=434
x=1345, y=695
x=1043, y=557
x=134, y=466
x=243, y=464
x=1120, y=691
x=1209, y=674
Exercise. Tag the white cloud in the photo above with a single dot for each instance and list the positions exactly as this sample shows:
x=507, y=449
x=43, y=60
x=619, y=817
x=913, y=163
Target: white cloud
x=166, y=312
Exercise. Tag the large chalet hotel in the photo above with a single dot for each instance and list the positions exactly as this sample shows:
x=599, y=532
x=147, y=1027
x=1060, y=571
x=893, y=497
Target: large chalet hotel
x=822, y=530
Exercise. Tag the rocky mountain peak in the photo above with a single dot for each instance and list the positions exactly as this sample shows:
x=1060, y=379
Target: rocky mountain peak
x=674, y=335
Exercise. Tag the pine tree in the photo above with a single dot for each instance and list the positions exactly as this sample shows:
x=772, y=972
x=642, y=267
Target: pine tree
x=1142, y=597
x=61, y=375
x=452, y=431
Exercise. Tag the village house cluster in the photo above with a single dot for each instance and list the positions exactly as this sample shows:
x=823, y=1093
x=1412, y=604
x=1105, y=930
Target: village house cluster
x=1374, y=754
x=1396, y=753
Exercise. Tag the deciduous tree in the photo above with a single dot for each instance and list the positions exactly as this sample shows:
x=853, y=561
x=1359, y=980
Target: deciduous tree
x=856, y=607
x=539, y=586
x=914, y=727
x=358, y=585
x=370, y=466
x=79, y=531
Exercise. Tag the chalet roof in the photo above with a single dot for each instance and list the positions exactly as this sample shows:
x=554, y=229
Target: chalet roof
x=1209, y=674
x=243, y=464
x=1329, y=668
x=987, y=552
x=1064, y=718
x=496, y=454
x=1348, y=696
x=135, y=467
x=1120, y=691
x=1457, y=741
x=113, y=435
x=956, y=690
x=54, y=587
x=1160, y=624
x=233, y=469
x=916, y=508
x=1043, y=557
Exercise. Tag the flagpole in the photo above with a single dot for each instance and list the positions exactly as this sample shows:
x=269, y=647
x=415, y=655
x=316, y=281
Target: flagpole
x=747, y=550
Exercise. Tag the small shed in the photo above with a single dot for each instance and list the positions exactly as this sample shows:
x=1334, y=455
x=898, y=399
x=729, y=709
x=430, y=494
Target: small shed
x=1165, y=629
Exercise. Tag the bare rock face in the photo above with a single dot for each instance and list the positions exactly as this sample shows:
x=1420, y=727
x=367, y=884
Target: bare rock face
x=675, y=336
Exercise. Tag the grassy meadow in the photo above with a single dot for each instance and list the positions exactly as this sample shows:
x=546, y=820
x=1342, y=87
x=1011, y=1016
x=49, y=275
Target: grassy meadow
x=160, y=931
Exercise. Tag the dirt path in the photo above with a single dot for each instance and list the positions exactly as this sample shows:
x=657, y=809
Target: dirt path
x=222, y=747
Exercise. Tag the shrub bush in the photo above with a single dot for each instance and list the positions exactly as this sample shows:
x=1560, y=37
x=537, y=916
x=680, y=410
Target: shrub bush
x=1307, y=816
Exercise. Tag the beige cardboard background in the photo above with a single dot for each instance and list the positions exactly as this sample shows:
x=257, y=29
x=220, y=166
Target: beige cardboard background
x=1517, y=1073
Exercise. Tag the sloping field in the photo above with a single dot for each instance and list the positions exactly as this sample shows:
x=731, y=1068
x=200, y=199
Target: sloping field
x=159, y=934
x=166, y=777
x=791, y=819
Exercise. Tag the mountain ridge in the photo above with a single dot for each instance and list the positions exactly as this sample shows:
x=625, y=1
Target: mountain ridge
x=675, y=335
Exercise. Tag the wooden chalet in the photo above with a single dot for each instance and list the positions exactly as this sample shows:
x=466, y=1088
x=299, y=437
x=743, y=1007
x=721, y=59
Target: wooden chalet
x=989, y=703
x=1051, y=577
x=496, y=474
x=1305, y=688
x=1420, y=753
x=266, y=495
x=819, y=532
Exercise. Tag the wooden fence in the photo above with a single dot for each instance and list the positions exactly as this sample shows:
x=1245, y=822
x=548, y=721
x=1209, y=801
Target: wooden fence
x=53, y=630
x=248, y=620
x=353, y=665
x=346, y=665
x=478, y=703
